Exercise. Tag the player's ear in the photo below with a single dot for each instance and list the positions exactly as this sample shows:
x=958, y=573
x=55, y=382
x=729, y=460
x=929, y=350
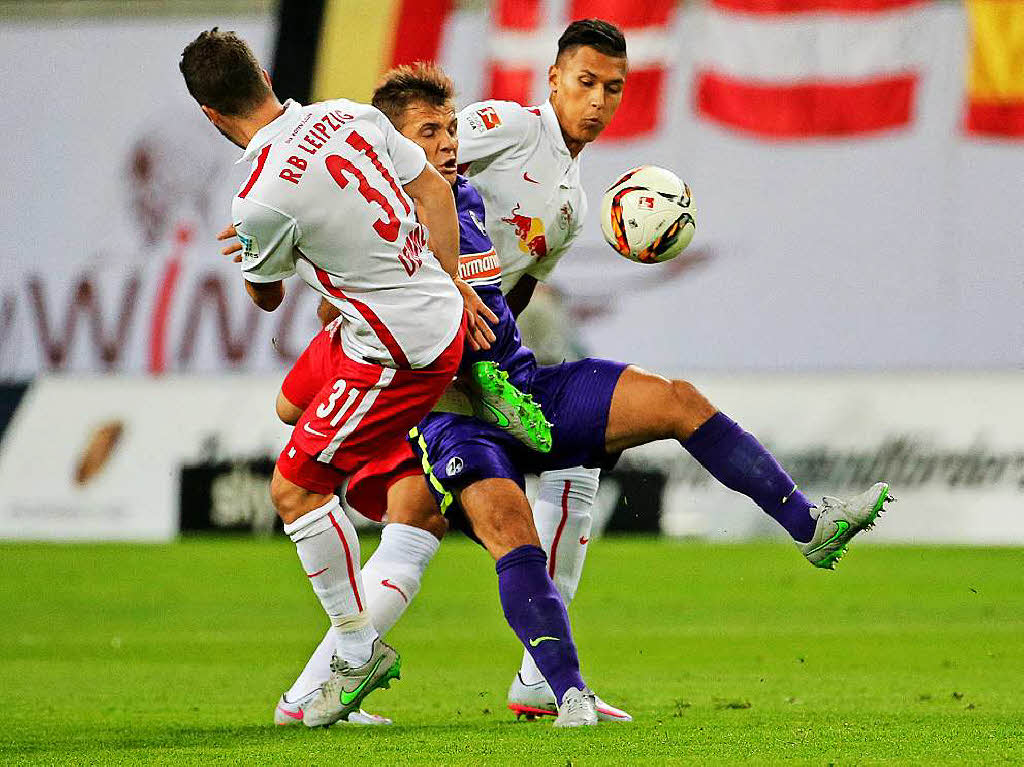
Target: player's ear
x=211, y=114
x=267, y=80
x=554, y=77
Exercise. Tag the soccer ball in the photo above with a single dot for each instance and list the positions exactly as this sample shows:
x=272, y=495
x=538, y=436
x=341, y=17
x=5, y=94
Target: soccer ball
x=648, y=215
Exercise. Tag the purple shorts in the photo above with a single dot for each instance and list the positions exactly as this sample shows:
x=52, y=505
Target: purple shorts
x=575, y=397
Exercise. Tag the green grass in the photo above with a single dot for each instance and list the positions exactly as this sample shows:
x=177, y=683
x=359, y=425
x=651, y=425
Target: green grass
x=724, y=654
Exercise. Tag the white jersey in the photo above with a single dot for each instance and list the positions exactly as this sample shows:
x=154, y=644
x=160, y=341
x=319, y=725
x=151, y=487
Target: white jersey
x=325, y=201
x=516, y=157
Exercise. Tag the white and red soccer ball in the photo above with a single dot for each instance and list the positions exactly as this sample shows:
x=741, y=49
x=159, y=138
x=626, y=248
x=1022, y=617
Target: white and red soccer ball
x=648, y=215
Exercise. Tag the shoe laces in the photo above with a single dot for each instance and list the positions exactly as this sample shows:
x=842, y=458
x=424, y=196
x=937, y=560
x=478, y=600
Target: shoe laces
x=573, y=704
x=830, y=502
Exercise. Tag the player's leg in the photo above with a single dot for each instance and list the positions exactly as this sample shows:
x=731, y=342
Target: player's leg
x=391, y=578
x=287, y=411
x=361, y=410
x=501, y=518
x=306, y=378
x=647, y=407
x=563, y=514
x=393, y=573
x=328, y=548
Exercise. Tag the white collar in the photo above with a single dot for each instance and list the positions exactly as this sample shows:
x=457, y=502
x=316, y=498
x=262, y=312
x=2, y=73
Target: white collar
x=270, y=131
x=549, y=120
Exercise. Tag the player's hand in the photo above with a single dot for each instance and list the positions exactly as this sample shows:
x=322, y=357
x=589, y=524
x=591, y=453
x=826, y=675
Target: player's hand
x=478, y=332
x=226, y=234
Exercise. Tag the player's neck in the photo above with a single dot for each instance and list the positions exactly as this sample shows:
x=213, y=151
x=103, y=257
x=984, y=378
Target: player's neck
x=263, y=115
x=574, y=147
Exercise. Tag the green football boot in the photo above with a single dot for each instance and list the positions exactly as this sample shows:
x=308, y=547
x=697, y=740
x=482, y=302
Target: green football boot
x=342, y=693
x=495, y=400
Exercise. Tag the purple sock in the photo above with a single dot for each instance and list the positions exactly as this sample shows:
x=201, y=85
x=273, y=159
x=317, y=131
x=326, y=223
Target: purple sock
x=736, y=459
x=535, y=611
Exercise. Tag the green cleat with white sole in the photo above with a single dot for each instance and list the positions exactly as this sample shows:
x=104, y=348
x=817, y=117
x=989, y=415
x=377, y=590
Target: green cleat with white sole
x=839, y=520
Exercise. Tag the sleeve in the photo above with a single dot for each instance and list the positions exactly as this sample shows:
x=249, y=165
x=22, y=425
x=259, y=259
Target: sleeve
x=542, y=269
x=489, y=128
x=407, y=156
x=268, y=239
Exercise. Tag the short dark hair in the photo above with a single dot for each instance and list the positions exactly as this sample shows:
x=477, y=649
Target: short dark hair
x=221, y=72
x=604, y=37
x=401, y=86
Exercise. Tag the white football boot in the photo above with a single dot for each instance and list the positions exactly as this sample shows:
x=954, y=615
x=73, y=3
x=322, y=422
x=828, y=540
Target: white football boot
x=577, y=709
x=838, y=521
x=344, y=691
x=533, y=700
x=287, y=713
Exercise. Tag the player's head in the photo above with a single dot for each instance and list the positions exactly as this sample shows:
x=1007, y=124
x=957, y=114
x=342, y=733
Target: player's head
x=587, y=79
x=222, y=74
x=419, y=99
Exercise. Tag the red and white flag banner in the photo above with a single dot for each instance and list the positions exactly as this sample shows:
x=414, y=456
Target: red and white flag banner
x=523, y=44
x=792, y=69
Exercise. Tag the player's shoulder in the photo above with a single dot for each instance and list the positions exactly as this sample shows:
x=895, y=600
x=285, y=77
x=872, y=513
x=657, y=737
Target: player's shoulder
x=355, y=110
x=499, y=120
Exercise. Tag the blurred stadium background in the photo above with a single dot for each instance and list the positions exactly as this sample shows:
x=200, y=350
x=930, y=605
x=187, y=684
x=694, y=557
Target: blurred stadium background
x=854, y=293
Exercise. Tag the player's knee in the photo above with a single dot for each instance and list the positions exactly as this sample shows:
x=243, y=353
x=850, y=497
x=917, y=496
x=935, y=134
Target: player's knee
x=410, y=503
x=424, y=518
x=436, y=525
x=292, y=501
x=512, y=529
x=691, y=408
x=286, y=411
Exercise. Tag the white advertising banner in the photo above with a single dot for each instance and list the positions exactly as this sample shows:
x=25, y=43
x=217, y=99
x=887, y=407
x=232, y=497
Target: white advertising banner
x=99, y=458
x=894, y=250
x=950, y=445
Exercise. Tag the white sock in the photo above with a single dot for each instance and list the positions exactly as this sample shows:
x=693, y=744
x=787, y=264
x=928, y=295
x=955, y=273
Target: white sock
x=563, y=515
x=392, y=575
x=317, y=670
x=329, y=551
x=400, y=559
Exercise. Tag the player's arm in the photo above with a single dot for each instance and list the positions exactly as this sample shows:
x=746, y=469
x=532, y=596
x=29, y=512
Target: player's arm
x=435, y=206
x=268, y=238
x=519, y=297
x=266, y=295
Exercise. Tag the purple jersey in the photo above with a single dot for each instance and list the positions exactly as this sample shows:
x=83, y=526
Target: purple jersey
x=479, y=266
x=575, y=396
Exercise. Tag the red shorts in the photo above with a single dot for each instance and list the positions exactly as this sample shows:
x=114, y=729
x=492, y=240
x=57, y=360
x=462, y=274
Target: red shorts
x=354, y=411
x=368, y=488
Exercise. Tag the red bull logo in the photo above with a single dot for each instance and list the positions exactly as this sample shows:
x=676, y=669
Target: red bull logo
x=530, y=232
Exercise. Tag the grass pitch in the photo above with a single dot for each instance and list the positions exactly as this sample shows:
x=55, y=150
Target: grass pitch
x=724, y=654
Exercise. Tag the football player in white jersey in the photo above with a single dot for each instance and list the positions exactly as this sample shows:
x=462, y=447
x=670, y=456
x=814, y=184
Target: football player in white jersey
x=599, y=407
x=340, y=198
x=525, y=163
